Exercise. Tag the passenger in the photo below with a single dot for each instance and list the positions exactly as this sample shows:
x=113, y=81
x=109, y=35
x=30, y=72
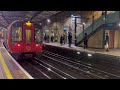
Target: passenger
x=69, y=38
x=85, y=41
x=61, y=40
x=48, y=38
x=107, y=41
x=64, y=38
x=51, y=38
x=45, y=37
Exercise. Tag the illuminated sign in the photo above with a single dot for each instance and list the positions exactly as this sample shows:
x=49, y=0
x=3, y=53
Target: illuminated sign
x=28, y=23
x=66, y=27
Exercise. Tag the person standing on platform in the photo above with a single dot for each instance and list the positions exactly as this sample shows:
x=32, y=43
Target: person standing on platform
x=64, y=38
x=85, y=41
x=69, y=38
x=45, y=37
x=61, y=40
x=107, y=41
x=51, y=38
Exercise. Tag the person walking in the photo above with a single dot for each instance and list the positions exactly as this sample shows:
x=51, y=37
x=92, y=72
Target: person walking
x=107, y=41
x=69, y=38
x=85, y=41
x=51, y=38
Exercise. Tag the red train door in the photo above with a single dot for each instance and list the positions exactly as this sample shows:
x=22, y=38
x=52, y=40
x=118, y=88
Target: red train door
x=28, y=38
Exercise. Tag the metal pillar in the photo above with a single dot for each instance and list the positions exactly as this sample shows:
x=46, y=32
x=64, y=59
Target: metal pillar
x=104, y=13
x=75, y=32
x=83, y=30
x=93, y=21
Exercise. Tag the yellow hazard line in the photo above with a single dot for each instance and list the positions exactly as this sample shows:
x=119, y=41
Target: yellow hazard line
x=7, y=71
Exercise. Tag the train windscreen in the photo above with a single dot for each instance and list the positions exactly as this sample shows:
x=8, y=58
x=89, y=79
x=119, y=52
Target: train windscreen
x=38, y=36
x=16, y=34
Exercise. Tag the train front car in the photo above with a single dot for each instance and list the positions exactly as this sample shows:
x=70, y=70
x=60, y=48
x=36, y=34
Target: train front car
x=22, y=41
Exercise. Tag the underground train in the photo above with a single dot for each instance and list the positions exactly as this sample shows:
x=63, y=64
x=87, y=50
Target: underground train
x=23, y=39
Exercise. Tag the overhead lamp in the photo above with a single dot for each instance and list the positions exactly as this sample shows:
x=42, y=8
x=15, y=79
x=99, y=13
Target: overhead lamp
x=71, y=15
x=48, y=20
x=83, y=23
x=119, y=24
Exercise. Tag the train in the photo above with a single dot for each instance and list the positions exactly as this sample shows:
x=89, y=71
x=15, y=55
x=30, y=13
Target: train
x=23, y=39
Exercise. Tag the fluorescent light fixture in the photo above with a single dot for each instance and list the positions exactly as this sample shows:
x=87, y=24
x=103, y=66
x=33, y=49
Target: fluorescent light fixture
x=119, y=24
x=48, y=20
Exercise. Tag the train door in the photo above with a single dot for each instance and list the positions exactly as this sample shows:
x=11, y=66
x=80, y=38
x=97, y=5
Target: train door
x=29, y=38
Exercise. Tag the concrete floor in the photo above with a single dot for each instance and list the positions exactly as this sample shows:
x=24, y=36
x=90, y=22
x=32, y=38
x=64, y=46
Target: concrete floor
x=115, y=52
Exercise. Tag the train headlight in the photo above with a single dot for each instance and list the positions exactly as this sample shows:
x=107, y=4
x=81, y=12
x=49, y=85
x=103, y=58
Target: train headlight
x=37, y=45
x=18, y=45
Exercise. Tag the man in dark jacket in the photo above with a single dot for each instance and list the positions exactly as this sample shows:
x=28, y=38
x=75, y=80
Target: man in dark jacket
x=61, y=40
x=69, y=38
x=85, y=41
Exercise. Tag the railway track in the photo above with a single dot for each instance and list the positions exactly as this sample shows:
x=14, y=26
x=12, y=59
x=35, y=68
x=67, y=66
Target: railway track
x=89, y=68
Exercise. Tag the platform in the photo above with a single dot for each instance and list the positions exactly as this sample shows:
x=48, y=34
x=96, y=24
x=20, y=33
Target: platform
x=9, y=68
x=114, y=52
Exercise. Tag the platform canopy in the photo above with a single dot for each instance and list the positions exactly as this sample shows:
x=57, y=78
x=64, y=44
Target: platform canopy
x=6, y=17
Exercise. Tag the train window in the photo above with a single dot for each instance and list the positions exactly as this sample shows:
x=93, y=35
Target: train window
x=28, y=36
x=38, y=38
x=16, y=32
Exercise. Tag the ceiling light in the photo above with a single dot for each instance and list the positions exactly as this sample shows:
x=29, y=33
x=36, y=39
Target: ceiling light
x=48, y=20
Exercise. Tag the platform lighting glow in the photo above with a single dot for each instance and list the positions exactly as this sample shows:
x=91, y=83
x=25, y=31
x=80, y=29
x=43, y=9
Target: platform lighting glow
x=49, y=69
x=78, y=52
x=71, y=15
x=83, y=23
x=89, y=55
x=119, y=24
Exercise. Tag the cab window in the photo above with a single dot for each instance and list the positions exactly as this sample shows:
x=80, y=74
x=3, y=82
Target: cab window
x=16, y=32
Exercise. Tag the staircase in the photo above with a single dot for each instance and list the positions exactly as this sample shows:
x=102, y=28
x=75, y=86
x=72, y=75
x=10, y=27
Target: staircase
x=111, y=18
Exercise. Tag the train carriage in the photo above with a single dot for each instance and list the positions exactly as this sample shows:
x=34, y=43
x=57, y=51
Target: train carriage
x=24, y=39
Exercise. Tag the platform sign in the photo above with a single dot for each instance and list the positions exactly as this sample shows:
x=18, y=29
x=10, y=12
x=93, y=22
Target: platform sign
x=66, y=28
x=110, y=25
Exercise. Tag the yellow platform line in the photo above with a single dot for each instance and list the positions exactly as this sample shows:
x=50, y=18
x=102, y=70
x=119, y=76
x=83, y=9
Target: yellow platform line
x=7, y=71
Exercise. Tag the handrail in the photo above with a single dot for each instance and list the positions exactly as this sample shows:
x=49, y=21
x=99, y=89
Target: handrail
x=111, y=18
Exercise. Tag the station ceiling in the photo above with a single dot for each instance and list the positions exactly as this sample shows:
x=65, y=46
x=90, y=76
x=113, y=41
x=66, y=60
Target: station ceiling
x=6, y=17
